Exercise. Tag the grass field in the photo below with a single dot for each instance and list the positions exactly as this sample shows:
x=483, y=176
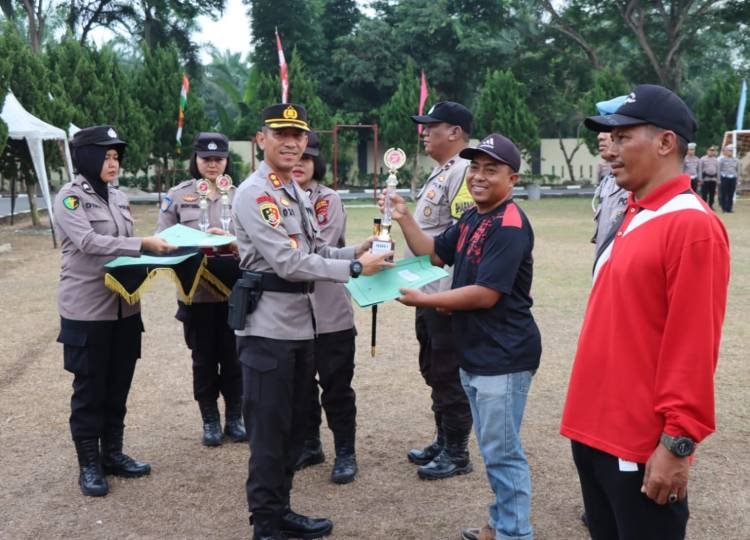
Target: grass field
x=197, y=493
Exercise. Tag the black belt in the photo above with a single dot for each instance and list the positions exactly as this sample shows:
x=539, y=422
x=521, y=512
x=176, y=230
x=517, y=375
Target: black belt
x=273, y=283
x=709, y=175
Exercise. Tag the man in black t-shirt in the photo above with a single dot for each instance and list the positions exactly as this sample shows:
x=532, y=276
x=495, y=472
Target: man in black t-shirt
x=497, y=340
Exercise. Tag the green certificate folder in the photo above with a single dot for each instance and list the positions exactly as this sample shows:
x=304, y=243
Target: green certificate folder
x=408, y=273
x=181, y=236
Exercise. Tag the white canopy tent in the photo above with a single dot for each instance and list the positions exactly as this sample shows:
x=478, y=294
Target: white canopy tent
x=23, y=125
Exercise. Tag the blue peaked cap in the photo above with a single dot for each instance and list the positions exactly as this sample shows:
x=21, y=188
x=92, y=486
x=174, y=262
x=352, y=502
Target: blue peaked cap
x=611, y=105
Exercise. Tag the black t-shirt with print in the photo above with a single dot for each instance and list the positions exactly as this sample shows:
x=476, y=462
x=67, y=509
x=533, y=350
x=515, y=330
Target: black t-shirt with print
x=494, y=250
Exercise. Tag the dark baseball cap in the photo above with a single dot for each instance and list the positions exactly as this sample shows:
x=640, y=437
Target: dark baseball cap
x=98, y=136
x=283, y=115
x=449, y=112
x=313, y=145
x=499, y=148
x=649, y=104
x=211, y=145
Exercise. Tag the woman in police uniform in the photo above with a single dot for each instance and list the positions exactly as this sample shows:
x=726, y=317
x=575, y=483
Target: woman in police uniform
x=100, y=333
x=216, y=369
x=334, y=343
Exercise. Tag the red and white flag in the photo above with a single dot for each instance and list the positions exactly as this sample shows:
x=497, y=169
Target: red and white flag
x=282, y=70
x=183, y=105
x=422, y=99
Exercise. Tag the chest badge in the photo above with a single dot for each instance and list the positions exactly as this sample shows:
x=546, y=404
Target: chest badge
x=285, y=201
x=431, y=194
x=427, y=211
x=190, y=198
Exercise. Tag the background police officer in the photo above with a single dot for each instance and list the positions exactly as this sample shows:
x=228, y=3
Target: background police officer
x=278, y=241
x=334, y=342
x=440, y=203
x=100, y=333
x=215, y=366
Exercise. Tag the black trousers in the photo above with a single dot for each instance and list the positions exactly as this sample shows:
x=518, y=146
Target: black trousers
x=334, y=365
x=438, y=365
x=727, y=188
x=215, y=366
x=708, y=191
x=276, y=389
x=615, y=507
x=102, y=357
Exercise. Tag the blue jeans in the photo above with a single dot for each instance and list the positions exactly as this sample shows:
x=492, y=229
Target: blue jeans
x=497, y=404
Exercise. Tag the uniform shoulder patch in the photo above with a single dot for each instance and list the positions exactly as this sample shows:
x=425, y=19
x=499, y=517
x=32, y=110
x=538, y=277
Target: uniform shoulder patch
x=321, y=210
x=512, y=217
x=71, y=202
x=166, y=203
x=270, y=213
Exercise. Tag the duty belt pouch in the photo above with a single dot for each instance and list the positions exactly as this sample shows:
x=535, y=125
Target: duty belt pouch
x=244, y=299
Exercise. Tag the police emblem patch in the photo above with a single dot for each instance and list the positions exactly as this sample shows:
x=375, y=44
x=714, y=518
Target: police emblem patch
x=270, y=214
x=112, y=133
x=290, y=113
x=71, y=202
x=321, y=211
x=212, y=146
x=166, y=202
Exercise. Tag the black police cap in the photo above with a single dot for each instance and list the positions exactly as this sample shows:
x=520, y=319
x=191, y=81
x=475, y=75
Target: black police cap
x=211, y=145
x=649, y=104
x=282, y=115
x=313, y=145
x=499, y=148
x=449, y=112
x=97, y=136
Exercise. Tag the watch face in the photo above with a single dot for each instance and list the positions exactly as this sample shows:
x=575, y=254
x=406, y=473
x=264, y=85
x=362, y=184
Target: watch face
x=683, y=446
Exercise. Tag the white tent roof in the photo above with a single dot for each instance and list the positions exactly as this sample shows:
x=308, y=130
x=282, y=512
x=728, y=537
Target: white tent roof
x=22, y=124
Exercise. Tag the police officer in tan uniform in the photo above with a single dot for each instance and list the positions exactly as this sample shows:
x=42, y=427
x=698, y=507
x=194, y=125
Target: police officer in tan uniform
x=440, y=203
x=100, y=333
x=709, y=173
x=216, y=369
x=334, y=342
x=281, y=255
x=690, y=165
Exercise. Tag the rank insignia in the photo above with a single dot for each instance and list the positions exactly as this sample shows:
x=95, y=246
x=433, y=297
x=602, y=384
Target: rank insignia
x=285, y=201
x=72, y=202
x=427, y=211
x=86, y=187
x=431, y=194
x=321, y=211
x=190, y=198
x=270, y=214
x=166, y=202
x=275, y=182
x=293, y=242
x=441, y=179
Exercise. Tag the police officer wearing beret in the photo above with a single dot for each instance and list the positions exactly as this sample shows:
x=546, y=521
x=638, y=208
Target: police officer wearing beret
x=281, y=255
x=216, y=369
x=334, y=342
x=100, y=333
x=440, y=203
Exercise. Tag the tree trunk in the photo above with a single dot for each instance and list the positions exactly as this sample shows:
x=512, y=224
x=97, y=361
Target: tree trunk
x=569, y=157
x=31, y=194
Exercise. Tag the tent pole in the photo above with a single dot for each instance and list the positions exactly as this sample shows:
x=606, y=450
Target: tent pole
x=12, y=198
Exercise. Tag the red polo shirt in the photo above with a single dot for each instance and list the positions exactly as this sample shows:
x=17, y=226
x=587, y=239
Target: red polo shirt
x=650, y=338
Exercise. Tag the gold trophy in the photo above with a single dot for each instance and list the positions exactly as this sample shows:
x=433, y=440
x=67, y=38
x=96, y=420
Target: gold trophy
x=224, y=184
x=394, y=158
x=203, y=187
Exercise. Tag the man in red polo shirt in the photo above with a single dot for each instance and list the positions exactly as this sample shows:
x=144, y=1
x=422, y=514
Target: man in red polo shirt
x=641, y=393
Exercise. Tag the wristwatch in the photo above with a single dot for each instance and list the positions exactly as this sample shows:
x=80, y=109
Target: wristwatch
x=355, y=268
x=679, y=446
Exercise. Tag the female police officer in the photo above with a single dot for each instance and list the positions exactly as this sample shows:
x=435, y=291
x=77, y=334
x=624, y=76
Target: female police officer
x=101, y=334
x=334, y=342
x=215, y=366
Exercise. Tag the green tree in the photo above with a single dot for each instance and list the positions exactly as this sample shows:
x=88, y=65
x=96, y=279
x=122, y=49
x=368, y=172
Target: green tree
x=262, y=90
x=303, y=89
x=501, y=107
x=224, y=84
x=608, y=84
x=717, y=110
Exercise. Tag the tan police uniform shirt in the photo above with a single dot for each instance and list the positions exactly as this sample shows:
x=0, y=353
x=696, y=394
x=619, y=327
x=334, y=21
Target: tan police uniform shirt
x=709, y=166
x=690, y=165
x=331, y=301
x=729, y=166
x=181, y=205
x=277, y=232
x=92, y=232
x=440, y=203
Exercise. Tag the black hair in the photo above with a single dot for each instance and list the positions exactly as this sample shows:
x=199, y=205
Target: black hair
x=195, y=173
x=319, y=170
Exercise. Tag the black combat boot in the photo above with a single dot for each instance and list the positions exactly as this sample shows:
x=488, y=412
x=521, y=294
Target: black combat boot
x=424, y=455
x=211, y=423
x=266, y=527
x=118, y=464
x=312, y=454
x=295, y=525
x=452, y=461
x=345, y=465
x=234, y=427
x=91, y=477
